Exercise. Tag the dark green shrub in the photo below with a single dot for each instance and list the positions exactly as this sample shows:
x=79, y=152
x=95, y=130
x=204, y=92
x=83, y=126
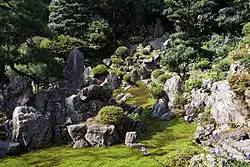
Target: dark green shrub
x=223, y=65
x=192, y=83
x=239, y=83
x=110, y=115
x=163, y=77
x=156, y=91
x=100, y=69
x=121, y=51
x=116, y=60
x=118, y=72
x=146, y=115
x=136, y=39
x=156, y=73
x=127, y=77
x=246, y=29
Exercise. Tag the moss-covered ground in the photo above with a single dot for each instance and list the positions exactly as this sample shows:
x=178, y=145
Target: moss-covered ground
x=166, y=142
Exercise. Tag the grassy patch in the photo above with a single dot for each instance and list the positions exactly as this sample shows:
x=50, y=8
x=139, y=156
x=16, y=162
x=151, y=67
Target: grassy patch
x=163, y=139
x=141, y=96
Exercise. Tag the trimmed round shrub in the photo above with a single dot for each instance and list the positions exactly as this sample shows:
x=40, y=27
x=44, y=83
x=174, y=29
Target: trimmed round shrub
x=118, y=72
x=127, y=77
x=116, y=60
x=156, y=73
x=121, y=51
x=100, y=69
x=156, y=92
x=110, y=115
x=163, y=77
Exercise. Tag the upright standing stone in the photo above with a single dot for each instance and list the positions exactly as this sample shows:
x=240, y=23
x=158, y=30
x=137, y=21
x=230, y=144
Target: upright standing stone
x=130, y=138
x=74, y=71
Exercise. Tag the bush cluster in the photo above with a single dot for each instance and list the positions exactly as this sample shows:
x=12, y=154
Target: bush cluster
x=156, y=91
x=163, y=78
x=100, y=69
x=239, y=83
x=121, y=51
x=156, y=73
x=110, y=115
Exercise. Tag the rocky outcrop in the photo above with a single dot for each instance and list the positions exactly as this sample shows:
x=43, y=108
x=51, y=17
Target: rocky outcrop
x=161, y=110
x=74, y=71
x=203, y=132
x=223, y=107
x=9, y=148
x=31, y=128
x=19, y=93
x=172, y=88
x=84, y=135
x=237, y=68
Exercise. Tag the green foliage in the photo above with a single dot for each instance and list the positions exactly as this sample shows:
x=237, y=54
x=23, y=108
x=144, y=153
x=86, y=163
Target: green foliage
x=179, y=57
x=179, y=102
x=156, y=91
x=163, y=77
x=156, y=73
x=192, y=83
x=127, y=77
x=219, y=45
x=223, y=65
x=62, y=45
x=246, y=29
x=117, y=61
x=239, y=54
x=146, y=115
x=121, y=51
x=118, y=72
x=111, y=115
x=181, y=157
x=136, y=39
x=239, y=83
x=100, y=69
x=204, y=64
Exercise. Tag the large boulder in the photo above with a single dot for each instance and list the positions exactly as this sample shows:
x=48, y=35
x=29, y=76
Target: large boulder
x=19, y=93
x=74, y=71
x=224, y=108
x=31, y=128
x=113, y=81
x=161, y=110
x=172, y=87
x=158, y=42
x=9, y=148
x=92, y=134
x=101, y=135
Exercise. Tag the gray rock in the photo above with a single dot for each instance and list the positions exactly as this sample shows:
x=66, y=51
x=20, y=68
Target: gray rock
x=19, y=92
x=172, y=87
x=197, y=105
x=31, y=128
x=237, y=68
x=8, y=147
x=77, y=132
x=107, y=61
x=223, y=107
x=130, y=138
x=101, y=135
x=160, y=108
x=74, y=71
x=95, y=92
x=81, y=144
x=88, y=75
x=203, y=132
x=113, y=81
x=158, y=42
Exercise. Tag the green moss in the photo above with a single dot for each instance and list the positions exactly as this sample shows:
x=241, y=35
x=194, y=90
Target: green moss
x=127, y=77
x=110, y=115
x=156, y=73
x=163, y=139
x=163, y=78
x=117, y=61
x=156, y=91
x=100, y=69
x=121, y=51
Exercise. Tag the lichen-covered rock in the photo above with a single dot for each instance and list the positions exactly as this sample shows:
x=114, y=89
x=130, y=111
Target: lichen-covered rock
x=101, y=135
x=19, y=93
x=8, y=147
x=172, y=87
x=161, y=108
x=77, y=132
x=31, y=128
x=223, y=107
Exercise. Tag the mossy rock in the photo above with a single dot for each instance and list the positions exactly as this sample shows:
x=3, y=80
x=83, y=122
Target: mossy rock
x=163, y=78
x=239, y=83
x=122, y=51
x=111, y=115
